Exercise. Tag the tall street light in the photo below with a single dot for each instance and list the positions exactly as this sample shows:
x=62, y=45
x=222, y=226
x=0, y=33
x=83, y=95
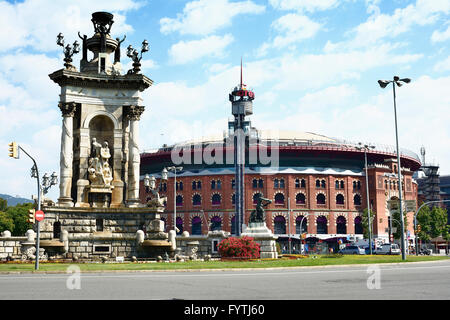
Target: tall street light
x=383, y=84
x=365, y=148
x=174, y=169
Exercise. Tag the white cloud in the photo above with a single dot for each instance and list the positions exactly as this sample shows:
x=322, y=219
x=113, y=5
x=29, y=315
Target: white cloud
x=442, y=66
x=188, y=51
x=384, y=26
x=291, y=28
x=438, y=36
x=30, y=23
x=304, y=5
x=204, y=17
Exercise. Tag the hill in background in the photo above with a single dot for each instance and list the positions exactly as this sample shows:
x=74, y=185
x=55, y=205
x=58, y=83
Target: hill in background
x=13, y=201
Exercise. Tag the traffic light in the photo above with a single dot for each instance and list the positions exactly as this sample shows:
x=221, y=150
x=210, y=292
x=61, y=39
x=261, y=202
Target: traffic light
x=31, y=217
x=13, y=150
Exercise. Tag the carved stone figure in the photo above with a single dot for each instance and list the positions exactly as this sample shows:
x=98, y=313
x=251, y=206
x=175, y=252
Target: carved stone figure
x=99, y=171
x=258, y=214
x=117, y=52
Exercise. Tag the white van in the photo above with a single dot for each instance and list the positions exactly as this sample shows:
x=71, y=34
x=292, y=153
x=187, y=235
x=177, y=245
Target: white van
x=388, y=248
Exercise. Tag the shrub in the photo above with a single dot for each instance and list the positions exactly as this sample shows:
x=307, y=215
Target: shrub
x=244, y=247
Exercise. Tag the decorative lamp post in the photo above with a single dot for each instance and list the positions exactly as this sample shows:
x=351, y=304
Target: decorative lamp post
x=365, y=148
x=68, y=51
x=383, y=84
x=134, y=55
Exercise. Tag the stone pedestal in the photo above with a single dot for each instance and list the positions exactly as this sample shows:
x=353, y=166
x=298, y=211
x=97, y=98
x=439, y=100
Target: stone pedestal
x=263, y=236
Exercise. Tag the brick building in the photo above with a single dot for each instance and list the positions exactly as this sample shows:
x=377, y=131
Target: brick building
x=318, y=179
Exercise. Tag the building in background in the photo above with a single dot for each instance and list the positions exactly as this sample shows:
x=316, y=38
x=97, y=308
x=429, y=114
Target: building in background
x=317, y=188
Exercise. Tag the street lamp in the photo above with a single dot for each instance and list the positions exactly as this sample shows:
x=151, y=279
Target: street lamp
x=383, y=84
x=365, y=148
x=301, y=233
x=48, y=182
x=174, y=169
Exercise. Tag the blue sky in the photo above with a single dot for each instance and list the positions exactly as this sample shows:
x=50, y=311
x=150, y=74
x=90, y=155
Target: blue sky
x=313, y=64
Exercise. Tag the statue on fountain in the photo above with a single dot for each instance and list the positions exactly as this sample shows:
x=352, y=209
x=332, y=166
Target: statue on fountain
x=258, y=215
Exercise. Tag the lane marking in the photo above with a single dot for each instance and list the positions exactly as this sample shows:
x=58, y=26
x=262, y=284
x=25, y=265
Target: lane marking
x=209, y=274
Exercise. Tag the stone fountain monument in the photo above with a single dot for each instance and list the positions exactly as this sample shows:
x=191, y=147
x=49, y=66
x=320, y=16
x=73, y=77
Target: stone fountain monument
x=98, y=205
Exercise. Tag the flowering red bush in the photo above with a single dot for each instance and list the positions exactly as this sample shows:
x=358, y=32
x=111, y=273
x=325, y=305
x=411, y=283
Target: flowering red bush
x=244, y=247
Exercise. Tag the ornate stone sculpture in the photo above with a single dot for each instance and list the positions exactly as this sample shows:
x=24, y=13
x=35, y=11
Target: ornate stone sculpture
x=99, y=170
x=258, y=214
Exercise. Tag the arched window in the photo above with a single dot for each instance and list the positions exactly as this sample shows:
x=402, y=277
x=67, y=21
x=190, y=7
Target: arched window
x=216, y=223
x=323, y=184
x=317, y=183
x=358, y=225
x=357, y=200
x=196, y=226
x=301, y=225
x=179, y=225
x=213, y=184
x=303, y=184
x=233, y=199
x=282, y=183
x=219, y=184
x=179, y=200
x=358, y=185
x=255, y=183
x=320, y=198
x=255, y=197
x=339, y=199
x=199, y=185
x=194, y=185
x=342, y=184
x=297, y=183
x=216, y=199
x=279, y=225
x=233, y=225
x=196, y=200
x=336, y=184
x=276, y=184
x=57, y=230
x=322, y=227
x=260, y=183
x=279, y=198
x=341, y=225
x=300, y=198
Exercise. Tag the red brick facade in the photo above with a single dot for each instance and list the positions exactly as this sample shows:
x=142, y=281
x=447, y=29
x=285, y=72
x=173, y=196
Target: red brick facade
x=383, y=185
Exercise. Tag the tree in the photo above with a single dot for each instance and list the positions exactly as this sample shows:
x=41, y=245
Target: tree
x=3, y=204
x=19, y=215
x=6, y=222
x=433, y=223
x=396, y=223
x=365, y=222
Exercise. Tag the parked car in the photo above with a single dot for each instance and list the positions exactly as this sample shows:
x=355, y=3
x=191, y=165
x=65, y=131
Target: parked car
x=388, y=248
x=352, y=250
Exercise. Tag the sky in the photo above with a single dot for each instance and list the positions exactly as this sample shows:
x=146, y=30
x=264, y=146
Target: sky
x=313, y=65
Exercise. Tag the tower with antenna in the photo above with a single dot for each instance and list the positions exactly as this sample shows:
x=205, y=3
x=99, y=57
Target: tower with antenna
x=241, y=100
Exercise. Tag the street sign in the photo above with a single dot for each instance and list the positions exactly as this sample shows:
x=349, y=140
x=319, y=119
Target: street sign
x=39, y=215
x=410, y=205
x=393, y=204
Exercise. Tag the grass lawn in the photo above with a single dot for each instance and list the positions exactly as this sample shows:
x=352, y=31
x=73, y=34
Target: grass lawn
x=309, y=261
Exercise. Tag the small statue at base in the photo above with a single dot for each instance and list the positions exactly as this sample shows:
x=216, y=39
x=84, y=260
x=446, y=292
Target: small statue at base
x=258, y=215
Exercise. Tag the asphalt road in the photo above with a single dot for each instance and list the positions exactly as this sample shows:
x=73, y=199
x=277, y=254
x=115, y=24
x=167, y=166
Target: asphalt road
x=400, y=281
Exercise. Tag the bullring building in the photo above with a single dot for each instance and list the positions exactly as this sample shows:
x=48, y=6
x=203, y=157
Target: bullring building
x=318, y=187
